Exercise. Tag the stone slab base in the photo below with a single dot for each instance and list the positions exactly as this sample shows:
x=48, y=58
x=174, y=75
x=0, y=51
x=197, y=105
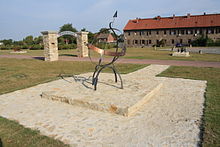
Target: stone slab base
x=181, y=54
x=19, y=52
x=112, y=104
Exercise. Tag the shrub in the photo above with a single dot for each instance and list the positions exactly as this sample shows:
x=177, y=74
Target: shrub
x=5, y=47
x=66, y=46
x=36, y=47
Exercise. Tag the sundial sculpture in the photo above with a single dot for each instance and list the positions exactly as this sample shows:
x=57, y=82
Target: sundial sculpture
x=119, y=50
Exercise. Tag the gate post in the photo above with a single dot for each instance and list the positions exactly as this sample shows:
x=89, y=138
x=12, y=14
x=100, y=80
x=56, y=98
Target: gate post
x=82, y=40
x=50, y=45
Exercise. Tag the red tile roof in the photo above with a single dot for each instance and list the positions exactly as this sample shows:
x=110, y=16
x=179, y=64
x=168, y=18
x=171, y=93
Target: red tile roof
x=189, y=21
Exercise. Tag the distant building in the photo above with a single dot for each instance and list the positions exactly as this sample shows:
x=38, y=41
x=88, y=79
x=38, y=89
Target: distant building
x=105, y=37
x=171, y=30
x=1, y=43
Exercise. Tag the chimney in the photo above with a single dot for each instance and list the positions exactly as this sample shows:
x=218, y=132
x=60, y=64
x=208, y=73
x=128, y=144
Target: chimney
x=158, y=17
x=188, y=15
x=174, y=16
x=204, y=13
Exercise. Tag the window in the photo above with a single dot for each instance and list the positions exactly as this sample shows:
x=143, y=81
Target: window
x=181, y=41
x=157, y=32
x=143, y=42
x=217, y=30
x=188, y=31
x=129, y=33
x=157, y=41
x=165, y=32
x=189, y=41
x=146, y=41
x=172, y=41
x=149, y=32
x=212, y=31
x=182, y=32
x=128, y=41
x=150, y=42
x=172, y=32
x=135, y=41
x=140, y=33
x=198, y=32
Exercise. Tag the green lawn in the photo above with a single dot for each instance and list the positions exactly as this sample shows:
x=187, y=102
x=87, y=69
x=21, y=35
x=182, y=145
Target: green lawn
x=150, y=53
x=134, y=53
x=211, y=119
x=22, y=73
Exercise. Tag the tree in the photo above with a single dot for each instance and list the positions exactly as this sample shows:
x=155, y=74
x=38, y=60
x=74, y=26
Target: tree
x=68, y=39
x=7, y=41
x=38, y=40
x=104, y=30
x=29, y=40
x=203, y=41
x=67, y=27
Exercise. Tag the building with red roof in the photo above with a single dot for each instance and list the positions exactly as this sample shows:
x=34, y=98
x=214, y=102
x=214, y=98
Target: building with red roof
x=171, y=30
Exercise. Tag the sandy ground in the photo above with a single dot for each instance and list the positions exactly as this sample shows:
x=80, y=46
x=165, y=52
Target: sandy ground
x=170, y=118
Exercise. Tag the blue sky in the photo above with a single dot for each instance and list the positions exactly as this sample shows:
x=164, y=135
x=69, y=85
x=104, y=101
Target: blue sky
x=19, y=18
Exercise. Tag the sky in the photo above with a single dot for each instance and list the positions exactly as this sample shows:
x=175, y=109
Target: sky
x=20, y=18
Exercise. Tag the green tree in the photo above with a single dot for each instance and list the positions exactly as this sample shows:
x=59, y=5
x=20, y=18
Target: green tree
x=67, y=27
x=38, y=40
x=203, y=41
x=104, y=30
x=67, y=38
x=29, y=40
x=7, y=41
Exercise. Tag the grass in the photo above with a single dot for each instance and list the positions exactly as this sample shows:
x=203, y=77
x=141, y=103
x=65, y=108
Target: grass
x=22, y=73
x=14, y=135
x=211, y=118
x=150, y=53
x=134, y=53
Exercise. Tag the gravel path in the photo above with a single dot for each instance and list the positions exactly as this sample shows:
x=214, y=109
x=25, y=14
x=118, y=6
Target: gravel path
x=170, y=118
x=135, y=61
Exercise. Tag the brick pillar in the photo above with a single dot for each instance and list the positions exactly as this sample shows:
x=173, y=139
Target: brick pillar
x=50, y=45
x=82, y=40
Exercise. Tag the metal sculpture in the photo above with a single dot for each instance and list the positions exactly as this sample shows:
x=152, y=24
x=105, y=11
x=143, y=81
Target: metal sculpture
x=67, y=33
x=120, y=50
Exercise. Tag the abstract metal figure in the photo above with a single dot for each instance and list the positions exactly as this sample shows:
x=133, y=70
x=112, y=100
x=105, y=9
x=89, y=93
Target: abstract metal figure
x=120, y=50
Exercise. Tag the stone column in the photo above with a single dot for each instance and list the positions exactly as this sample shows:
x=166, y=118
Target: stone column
x=50, y=45
x=82, y=40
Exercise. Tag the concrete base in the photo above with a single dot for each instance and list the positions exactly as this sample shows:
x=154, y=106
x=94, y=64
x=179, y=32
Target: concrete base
x=181, y=54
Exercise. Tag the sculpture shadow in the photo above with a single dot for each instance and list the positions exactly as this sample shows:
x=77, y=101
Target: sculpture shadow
x=38, y=58
x=1, y=143
x=85, y=81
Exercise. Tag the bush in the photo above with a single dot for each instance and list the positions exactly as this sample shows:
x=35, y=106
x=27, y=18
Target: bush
x=66, y=46
x=106, y=45
x=205, y=41
x=36, y=47
x=5, y=47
